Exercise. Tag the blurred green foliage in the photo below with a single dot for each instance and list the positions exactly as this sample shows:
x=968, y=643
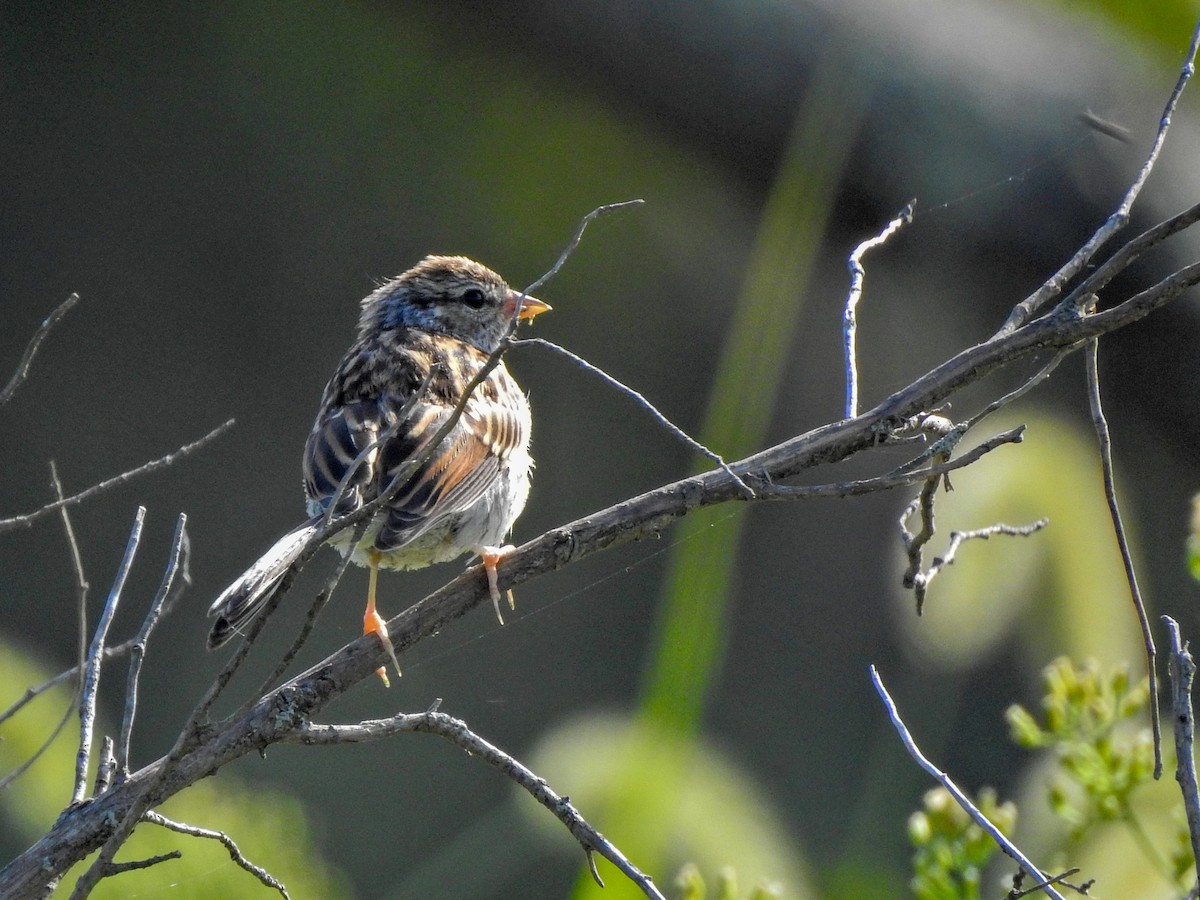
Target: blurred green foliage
x=692, y=886
x=269, y=827
x=1193, y=541
x=1093, y=722
x=951, y=849
x=646, y=794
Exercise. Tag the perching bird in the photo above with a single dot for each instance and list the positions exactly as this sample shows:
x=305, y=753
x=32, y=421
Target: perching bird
x=432, y=327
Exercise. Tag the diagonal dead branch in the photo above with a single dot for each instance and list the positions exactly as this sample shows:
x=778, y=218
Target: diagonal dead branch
x=456, y=732
x=903, y=476
x=31, y=349
x=959, y=797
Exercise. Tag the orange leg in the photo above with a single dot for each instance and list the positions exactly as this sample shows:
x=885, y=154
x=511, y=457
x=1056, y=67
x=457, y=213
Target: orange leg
x=491, y=557
x=373, y=622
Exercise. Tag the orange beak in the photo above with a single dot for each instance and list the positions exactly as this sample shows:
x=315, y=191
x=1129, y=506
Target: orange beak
x=530, y=306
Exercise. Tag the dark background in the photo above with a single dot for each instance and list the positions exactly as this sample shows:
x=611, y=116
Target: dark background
x=222, y=182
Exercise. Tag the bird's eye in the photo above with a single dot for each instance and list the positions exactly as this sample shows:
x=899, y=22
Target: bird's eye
x=474, y=298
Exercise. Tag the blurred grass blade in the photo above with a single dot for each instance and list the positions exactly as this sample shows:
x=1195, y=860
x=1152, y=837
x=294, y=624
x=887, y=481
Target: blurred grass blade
x=691, y=627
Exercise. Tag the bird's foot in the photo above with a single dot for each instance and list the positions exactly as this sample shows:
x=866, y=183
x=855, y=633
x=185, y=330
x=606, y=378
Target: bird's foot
x=491, y=557
x=374, y=623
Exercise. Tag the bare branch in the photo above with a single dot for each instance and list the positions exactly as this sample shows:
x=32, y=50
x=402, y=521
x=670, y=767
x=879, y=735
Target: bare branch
x=457, y=732
x=1183, y=673
x=234, y=853
x=26, y=520
x=91, y=678
x=1100, y=423
x=959, y=797
x=849, y=322
x=31, y=349
x=178, y=545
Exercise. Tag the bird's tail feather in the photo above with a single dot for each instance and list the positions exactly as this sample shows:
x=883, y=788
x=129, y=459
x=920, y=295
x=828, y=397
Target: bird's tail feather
x=240, y=602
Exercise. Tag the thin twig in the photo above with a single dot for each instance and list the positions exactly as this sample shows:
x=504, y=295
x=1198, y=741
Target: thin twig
x=960, y=798
x=178, y=543
x=91, y=678
x=644, y=403
x=1182, y=670
x=40, y=751
x=26, y=520
x=31, y=349
x=849, y=321
x=902, y=476
x=81, y=584
x=1060, y=878
x=234, y=853
x=1030, y=305
x=457, y=732
x=1104, y=440
x=577, y=237
x=922, y=580
x=81, y=595
x=118, y=868
x=1030, y=383
x=1128, y=253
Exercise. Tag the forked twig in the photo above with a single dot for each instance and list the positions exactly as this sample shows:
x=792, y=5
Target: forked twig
x=179, y=545
x=456, y=732
x=91, y=677
x=234, y=853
